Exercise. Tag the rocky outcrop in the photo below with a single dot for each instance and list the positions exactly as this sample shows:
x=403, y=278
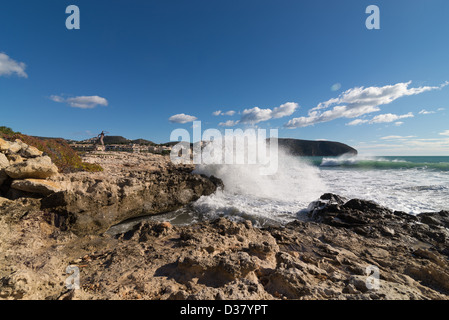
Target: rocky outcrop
x=130, y=186
x=24, y=171
x=39, y=186
x=37, y=168
x=342, y=249
x=373, y=221
x=348, y=249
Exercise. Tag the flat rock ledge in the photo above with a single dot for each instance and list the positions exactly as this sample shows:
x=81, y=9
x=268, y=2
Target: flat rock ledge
x=346, y=249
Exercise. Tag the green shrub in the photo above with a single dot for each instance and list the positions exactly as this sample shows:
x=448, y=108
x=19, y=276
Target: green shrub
x=63, y=156
x=165, y=152
x=7, y=131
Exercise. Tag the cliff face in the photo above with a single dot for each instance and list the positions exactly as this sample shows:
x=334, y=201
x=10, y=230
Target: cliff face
x=315, y=148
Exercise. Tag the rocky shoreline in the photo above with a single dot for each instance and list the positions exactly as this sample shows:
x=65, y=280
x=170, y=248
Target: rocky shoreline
x=345, y=249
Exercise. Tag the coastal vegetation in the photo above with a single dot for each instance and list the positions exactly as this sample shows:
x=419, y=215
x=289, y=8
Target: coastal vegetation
x=63, y=156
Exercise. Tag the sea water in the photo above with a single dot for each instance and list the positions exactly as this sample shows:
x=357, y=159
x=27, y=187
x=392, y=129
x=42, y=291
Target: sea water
x=409, y=184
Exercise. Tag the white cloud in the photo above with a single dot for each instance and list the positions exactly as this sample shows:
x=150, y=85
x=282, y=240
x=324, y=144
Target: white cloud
x=356, y=102
x=229, y=113
x=57, y=98
x=382, y=118
x=357, y=122
x=407, y=145
x=82, y=102
x=397, y=137
x=389, y=117
x=445, y=133
x=181, y=118
x=220, y=113
x=424, y=111
x=399, y=123
x=9, y=66
x=229, y=123
x=256, y=115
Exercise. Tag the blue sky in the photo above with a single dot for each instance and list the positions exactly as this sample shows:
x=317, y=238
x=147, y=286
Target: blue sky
x=308, y=68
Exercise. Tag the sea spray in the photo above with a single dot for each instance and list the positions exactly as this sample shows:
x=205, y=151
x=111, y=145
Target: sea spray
x=235, y=147
x=249, y=194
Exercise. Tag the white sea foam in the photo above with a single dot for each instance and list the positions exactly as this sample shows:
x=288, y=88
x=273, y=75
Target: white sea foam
x=410, y=190
x=395, y=183
x=249, y=194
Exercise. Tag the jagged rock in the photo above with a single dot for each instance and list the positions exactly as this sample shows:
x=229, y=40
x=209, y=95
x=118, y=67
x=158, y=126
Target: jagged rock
x=35, y=168
x=29, y=151
x=14, y=147
x=14, y=158
x=4, y=162
x=3, y=200
x=4, y=145
x=39, y=186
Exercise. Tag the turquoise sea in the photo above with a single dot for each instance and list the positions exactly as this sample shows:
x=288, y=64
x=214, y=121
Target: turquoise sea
x=412, y=184
x=437, y=163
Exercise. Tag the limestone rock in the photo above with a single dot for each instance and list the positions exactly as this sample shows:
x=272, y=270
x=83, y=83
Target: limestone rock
x=130, y=186
x=4, y=200
x=31, y=152
x=14, y=147
x=37, y=168
x=4, y=162
x=14, y=158
x=39, y=186
x=224, y=259
x=26, y=150
x=4, y=145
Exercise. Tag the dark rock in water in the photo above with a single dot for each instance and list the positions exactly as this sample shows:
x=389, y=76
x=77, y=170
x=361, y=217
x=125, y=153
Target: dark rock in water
x=217, y=182
x=435, y=218
x=372, y=220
